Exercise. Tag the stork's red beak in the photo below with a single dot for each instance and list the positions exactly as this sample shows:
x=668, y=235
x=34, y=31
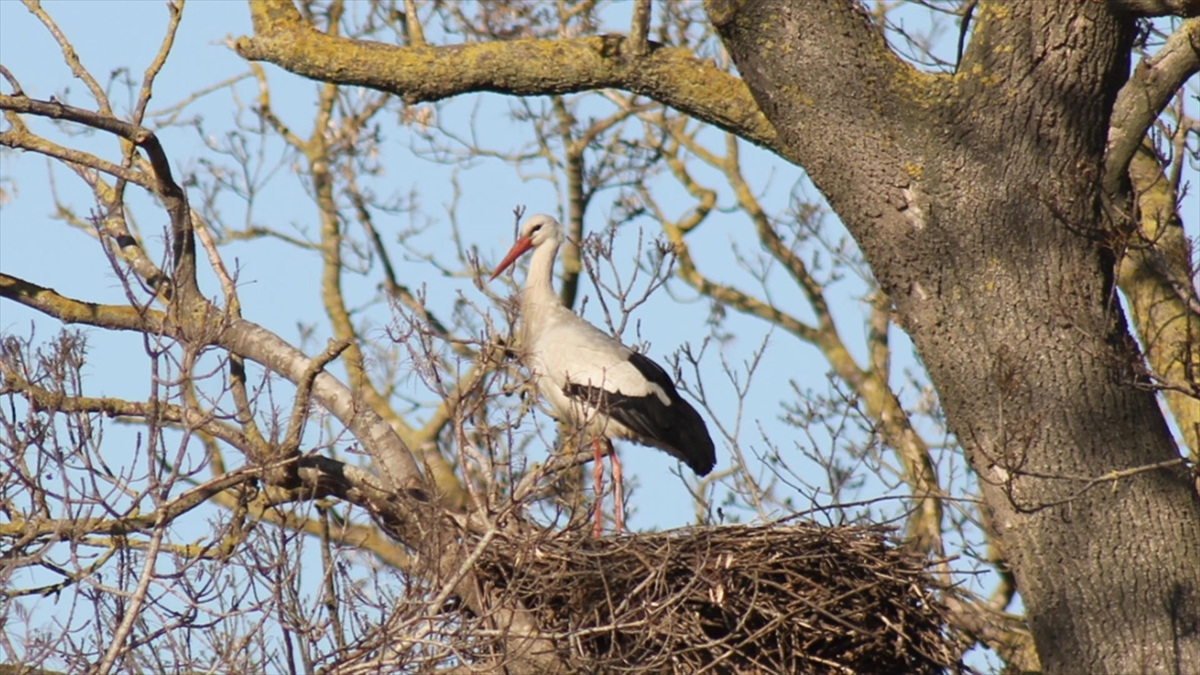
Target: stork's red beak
x=523, y=244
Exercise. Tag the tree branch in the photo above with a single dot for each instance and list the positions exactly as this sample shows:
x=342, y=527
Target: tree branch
x=68, y=310
x=673, y=76
x=1004, y=633
x=1152, y=8
x=246, y=339
x=64, y=530
x=639, y=28
x=173, y=197
x=1153, y=272
x=45, y=400
x=1145, y=95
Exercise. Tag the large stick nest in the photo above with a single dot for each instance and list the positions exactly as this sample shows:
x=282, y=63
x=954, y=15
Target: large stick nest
x=793, y=598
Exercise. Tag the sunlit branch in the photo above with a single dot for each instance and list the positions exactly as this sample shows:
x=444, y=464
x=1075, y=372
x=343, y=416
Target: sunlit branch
x=45, y=400
x=173, y=198
x=167, y=512
x=316, y=151
x=300, y=406
x=1153, y=271
x=686, y=270
x=877, y=333
x=731, y=167
x=412, y=24
x=925, y=525
x=577, y=198
x=47, y=301
x=1142, y=99
x=522, y=67
x=71, y=56
x=240, y=337
x=640, y=27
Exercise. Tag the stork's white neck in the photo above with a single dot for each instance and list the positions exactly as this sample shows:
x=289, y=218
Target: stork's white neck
x=539, y=303
x=539, y=289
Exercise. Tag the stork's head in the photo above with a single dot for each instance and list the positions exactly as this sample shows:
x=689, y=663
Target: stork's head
x=537, y=230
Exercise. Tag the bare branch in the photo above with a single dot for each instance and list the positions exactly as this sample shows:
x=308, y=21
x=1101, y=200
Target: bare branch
x=173, y=198
x=1153, y=8
x=248, y=340
x=1154, y=272
x=640, y=28
x=521, y=67
x=71, y=56
x=43, y=399
x=136, y=601
x=291, y=443
x=1142, y=99
x=416, y=36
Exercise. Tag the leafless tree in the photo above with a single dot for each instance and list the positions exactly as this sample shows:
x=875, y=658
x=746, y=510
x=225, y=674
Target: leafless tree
x=348, y=499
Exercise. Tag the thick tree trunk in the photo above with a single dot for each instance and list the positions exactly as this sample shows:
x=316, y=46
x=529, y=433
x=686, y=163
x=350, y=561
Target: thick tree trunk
x=977, y=200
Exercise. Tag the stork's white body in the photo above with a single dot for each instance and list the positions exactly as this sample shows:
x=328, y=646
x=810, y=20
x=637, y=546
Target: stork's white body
x=590, y=379
x=561, y=349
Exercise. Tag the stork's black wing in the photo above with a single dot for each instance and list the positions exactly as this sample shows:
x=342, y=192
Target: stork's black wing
x=675, y=427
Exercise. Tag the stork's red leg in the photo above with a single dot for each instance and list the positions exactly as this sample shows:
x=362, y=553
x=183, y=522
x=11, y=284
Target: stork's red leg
x=598, y=477
x=618, y=490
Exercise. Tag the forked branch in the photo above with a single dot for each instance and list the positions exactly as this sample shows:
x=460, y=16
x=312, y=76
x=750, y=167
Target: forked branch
x=165, y=188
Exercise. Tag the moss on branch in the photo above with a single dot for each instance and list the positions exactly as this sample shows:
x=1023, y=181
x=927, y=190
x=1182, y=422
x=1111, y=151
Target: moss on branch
x=673, y=76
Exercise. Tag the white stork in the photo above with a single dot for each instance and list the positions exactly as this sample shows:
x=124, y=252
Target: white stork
x=592, y=380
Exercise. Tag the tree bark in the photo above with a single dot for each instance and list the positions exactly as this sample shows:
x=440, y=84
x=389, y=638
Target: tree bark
x=976, y=198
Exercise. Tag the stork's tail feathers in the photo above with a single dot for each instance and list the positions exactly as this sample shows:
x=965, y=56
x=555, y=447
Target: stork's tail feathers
x=677, y=429
x=692, y=443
